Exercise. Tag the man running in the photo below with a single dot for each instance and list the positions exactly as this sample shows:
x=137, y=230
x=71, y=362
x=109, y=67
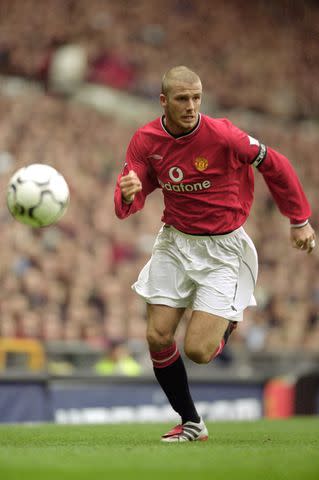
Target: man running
x=202, y=258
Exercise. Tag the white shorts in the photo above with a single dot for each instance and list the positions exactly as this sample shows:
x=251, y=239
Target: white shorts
x=215, y=274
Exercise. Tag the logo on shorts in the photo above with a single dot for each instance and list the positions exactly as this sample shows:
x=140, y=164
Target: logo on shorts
x=201, y=163
x=175, y=174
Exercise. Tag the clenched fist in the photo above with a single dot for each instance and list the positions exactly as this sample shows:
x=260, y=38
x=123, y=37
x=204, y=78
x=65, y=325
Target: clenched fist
x=130, y=184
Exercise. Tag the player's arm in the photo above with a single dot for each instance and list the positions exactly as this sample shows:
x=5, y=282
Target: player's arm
x=283, y=183
x=286, y=189
x=134, y=183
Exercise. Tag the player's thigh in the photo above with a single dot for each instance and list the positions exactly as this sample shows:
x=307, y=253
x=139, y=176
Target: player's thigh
x=162, y=322
x=203, y=335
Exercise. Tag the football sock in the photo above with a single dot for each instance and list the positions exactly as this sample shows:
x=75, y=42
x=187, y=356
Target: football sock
x=231, y=327
x=171, y=374
x=219, y=349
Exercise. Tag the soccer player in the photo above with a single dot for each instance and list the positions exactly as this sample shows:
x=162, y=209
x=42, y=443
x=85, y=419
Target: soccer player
x=202, y=258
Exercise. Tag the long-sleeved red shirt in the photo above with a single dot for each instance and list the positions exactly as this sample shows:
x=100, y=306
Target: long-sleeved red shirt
x=206, y=176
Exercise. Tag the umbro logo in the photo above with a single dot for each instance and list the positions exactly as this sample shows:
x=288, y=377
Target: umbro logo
x=156, y=157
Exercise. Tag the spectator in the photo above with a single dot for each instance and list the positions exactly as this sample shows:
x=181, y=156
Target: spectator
x=118, y=361
x=80, y=269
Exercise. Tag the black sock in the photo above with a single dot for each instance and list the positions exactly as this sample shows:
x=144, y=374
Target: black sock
x=174, y=382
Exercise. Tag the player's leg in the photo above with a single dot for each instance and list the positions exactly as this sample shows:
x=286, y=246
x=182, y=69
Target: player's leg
x=167, y=363
x=170, y=372
x=225, y=285
x=168, y=291
x=206, y=335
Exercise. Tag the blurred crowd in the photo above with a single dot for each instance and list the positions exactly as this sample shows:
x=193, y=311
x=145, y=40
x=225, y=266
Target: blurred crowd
x=261, y=55
x=71, y=282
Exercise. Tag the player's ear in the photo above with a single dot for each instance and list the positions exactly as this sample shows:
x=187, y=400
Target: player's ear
x=163, y=100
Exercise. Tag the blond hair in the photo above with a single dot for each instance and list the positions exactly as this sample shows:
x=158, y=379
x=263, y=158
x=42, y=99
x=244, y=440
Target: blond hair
x=178, y=74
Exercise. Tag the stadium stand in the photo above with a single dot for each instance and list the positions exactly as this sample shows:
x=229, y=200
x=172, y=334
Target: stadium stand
x=66, y=284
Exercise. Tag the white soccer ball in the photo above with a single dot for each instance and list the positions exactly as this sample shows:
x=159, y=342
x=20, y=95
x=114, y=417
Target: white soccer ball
x=37, y=195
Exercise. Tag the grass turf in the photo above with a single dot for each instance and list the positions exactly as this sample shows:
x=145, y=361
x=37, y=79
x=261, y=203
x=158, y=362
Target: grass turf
x=277, y=449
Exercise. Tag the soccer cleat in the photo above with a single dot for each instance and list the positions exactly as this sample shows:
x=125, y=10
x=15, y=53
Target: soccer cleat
x=187, y=432
x=231, y=327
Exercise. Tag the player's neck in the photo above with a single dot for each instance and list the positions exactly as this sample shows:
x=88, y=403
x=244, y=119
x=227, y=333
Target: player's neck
x=176, y=132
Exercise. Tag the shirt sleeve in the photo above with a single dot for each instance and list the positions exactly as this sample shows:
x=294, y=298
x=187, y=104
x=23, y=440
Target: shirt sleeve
x=278, y=173
x=135, y=160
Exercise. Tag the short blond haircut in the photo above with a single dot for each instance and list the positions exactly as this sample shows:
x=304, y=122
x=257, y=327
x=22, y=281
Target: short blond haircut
x=178, y=74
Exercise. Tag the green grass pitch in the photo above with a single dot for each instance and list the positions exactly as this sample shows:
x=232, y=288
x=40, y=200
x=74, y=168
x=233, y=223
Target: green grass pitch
x=266, y=449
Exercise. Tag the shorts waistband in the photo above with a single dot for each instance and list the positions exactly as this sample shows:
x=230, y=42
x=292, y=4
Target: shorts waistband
x=203, y=235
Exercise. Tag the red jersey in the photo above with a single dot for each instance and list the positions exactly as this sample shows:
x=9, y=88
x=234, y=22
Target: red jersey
x=206, y=176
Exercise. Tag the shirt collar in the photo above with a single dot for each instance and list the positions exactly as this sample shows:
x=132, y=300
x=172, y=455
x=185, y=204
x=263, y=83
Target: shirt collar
x=182, y=135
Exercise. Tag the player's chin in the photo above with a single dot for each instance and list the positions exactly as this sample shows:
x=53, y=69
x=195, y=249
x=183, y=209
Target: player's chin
x=188, y=123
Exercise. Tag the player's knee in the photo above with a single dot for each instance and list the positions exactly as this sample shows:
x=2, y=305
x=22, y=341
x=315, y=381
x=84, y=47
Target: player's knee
x=157, y=339
x=197, y=354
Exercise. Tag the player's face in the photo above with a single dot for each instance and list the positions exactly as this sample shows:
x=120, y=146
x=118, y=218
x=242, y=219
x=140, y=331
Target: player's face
x=181, y=106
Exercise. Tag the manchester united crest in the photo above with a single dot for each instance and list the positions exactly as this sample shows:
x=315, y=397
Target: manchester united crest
x=201, y=163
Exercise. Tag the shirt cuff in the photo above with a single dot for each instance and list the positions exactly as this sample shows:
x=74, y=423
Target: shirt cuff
x=299, y=225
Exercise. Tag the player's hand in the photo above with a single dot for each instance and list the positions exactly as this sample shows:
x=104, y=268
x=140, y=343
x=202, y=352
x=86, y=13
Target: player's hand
x=130, y=184
x=303, y=238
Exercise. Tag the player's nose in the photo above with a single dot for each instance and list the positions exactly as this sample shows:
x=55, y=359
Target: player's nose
x=190, y=105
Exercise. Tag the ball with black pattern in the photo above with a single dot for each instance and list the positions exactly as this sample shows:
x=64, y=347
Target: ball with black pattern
x=37, y=195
